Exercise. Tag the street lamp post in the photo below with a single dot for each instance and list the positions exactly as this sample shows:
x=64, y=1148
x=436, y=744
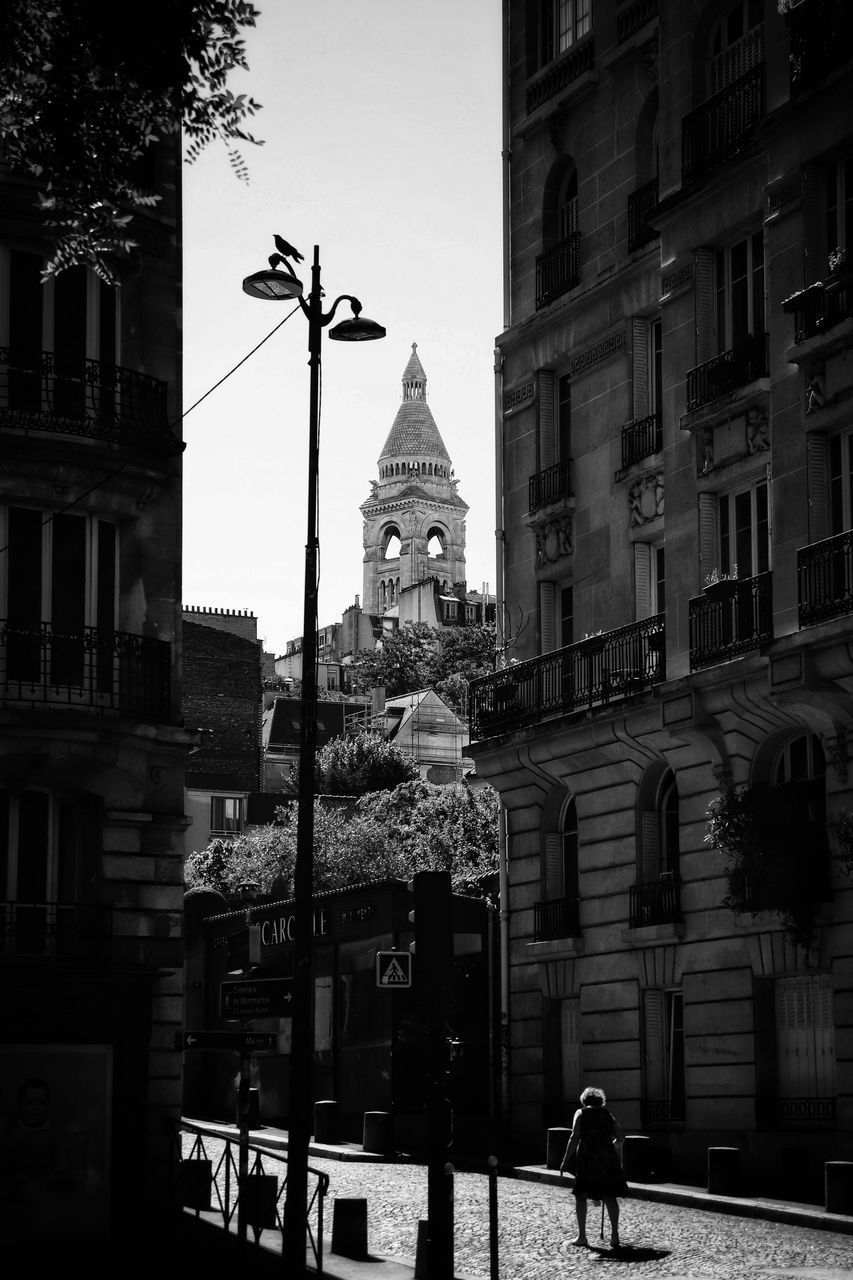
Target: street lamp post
x=276, y=285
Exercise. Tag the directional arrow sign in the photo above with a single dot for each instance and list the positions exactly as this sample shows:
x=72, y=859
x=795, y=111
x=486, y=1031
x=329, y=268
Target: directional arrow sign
x=235, y=1041
x=256, y=998
x=393, y=969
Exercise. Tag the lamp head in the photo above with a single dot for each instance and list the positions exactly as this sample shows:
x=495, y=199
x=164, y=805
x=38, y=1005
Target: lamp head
x=358, y=329
x=272, y=285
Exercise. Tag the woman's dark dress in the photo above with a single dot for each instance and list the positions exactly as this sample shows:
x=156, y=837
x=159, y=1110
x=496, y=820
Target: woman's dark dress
x=599, y=1172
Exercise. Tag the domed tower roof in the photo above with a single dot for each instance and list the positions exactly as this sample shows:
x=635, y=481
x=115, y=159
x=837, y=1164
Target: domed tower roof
x=414, y=432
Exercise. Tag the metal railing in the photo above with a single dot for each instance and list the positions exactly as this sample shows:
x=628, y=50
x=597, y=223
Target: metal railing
x=641, y=438
x=656, y=902
x=55, y=930
x=640, y=204
x=822, y=306
x=632, y=16
x=560, y=73
x=550, y=485
x=206, y=1183
x=728, y=371
x=662, y=1110
x=825, y=579
x=557, y=270
x=722, y=126
x=796, y=1113
x=556, y=918
x=596, y=671
x=88, y=667
x=730, y=618
x=84, y=398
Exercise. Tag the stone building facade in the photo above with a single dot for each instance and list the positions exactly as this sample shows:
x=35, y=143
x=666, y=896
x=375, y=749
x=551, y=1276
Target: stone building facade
x=92, y=748
x=675, y=380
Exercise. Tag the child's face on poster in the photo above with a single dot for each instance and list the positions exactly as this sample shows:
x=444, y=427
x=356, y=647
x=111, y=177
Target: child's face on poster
x=34, y=1107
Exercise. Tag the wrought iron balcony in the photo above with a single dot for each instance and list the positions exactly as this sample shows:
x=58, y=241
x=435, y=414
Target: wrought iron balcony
x=822, y=306
x=640, y=204
x=557, y=918
x=730, y=618
x=557, y=270
x=54, y=930
x=825, y=579
x=596, y=671
x=560, y=73
x=795, y=1113
x=656, y=902
x=821, y=35
x=728, y=371
x=641, y=438
x=551, y=485
x=90, y=399
x=723, y=126
x=90, y=667
x=632, y=16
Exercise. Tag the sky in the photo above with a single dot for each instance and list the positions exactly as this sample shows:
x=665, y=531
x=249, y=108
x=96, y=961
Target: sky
x=382, y=145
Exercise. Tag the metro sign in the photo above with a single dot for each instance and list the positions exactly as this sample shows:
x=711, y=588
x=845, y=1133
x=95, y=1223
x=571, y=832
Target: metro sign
x=256, y=998
x=393, y=970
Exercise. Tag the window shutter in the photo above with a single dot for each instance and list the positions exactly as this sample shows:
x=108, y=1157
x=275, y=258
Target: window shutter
x=547, y=617
x=547, y=446
x=654, y=1044
x=649, y=860
x=554, y=865
x=642, y=579
x=707, y=534
x=570, y=1049
x=824, y=1038
x=804, y=1037
x=640, y=342
x=814, y=233
x=706, y=346
x=817, y=447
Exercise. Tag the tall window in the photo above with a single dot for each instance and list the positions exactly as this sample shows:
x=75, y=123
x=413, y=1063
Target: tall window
x=736, y=43
x=744, y=531
x=805, y=1048
x=649, y=579
x=561, y=857
x=570, y=1051
x=800, y=771
x=663, y=1053
x=740, y=292
x=564, y=419
x=839, y=206
x=567, y=209
x=567, y=616
x=658, y=834
x=561, y=24
x=840, y=482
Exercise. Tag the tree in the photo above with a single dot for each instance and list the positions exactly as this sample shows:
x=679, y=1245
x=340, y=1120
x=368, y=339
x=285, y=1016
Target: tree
x=362, y=763
x=87, y=87
x=417, y=656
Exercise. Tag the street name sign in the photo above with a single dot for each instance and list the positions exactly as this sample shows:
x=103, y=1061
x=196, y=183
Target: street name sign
x=236, y=1041
x=256, y=998
x=393, y=970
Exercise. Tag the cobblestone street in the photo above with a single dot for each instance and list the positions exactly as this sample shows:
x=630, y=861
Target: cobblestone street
x=536, y=1223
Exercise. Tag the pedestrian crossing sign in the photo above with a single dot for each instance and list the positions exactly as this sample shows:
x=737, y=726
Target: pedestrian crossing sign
x=393, y=969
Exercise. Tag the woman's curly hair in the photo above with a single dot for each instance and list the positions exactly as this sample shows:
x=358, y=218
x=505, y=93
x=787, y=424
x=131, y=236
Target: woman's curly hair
x=592, y=1097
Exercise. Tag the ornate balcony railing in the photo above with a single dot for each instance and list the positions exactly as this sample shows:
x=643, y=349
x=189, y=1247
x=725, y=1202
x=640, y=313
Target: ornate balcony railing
x=556, y=918
x=550, y=485
x=730, y=618
x=640, y=438
x=596, y=671
x=822, y=306
x=821, y=35
x=795, y=1113
x=660, y=1111
x=557, y=270
x=728, y=371
x=54, y=930
x=657, y=902
x=632, y=16
x=90, y=667
x=90, y=399
x=640, y=204
x=825, y=579
x=559, y=74
x=722, y=126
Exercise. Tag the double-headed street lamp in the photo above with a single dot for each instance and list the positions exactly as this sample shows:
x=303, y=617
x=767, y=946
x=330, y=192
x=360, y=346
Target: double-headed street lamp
x=277, y=285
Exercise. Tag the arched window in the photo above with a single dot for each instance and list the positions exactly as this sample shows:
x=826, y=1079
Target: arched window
x=799, y=778
x=558, y=915
x=436, y=543
x=391, y=550
x=658, y=824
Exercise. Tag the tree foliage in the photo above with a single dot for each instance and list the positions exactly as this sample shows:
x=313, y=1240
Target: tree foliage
x=418, y=656
x=88, y=86
x=416, y=827
x=365, y=762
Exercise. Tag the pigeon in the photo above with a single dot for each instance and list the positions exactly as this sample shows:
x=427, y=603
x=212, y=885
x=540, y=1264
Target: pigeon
x=287, y=250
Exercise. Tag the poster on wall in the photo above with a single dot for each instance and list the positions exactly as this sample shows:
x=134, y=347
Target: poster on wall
x=55, y=1108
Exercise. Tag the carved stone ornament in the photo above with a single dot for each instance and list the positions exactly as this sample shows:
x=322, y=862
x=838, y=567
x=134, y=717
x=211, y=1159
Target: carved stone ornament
x=757, y=431
x=553, y=541
x=645, y=499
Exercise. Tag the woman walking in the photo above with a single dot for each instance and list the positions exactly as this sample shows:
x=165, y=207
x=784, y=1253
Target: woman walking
x=597, y=1142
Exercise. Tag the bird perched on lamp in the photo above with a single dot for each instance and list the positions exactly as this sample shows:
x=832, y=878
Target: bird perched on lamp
x=287, y=250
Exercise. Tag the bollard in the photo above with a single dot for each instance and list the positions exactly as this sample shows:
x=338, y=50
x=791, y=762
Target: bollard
x=421, y=1254
x=494, y=1270
x=723, y=1170
x=838, y=1185
x=254, y=1110
x=378, y=1135
x=555, y=1148
x=326, y=1121
x=349, y=1227
x=636, y=1157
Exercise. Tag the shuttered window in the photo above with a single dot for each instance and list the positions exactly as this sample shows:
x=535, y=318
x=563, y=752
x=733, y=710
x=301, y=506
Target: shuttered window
x=547, y=617
x=547, y=443
x=818, y=486
x=706, y=346
x=663, y=1054
x=640, y=336
x=805, y=1047
x=840, y=478
x=570, y=1050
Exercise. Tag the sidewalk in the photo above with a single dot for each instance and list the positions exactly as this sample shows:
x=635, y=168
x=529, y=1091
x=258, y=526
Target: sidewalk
x=771, y=1210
